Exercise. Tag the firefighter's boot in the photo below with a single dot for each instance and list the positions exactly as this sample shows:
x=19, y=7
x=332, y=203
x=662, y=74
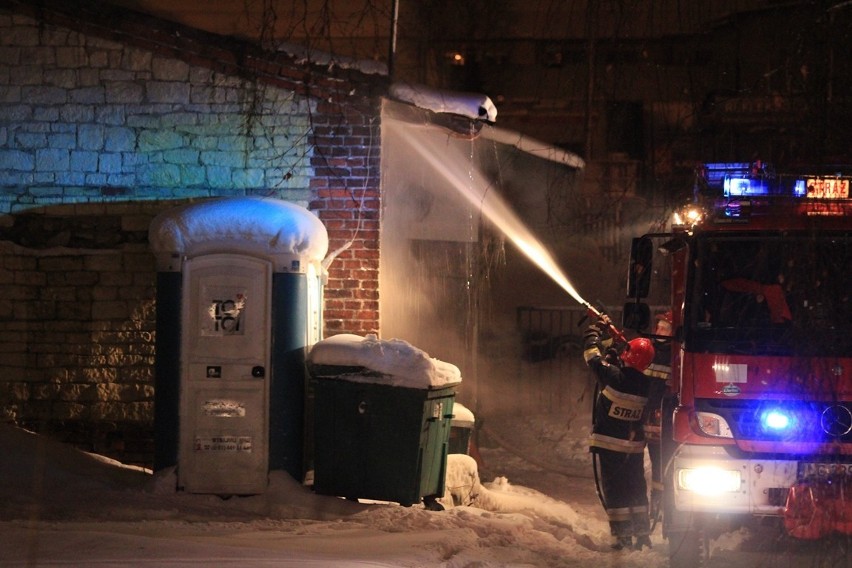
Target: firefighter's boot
x=622, y=543
x=642, y=541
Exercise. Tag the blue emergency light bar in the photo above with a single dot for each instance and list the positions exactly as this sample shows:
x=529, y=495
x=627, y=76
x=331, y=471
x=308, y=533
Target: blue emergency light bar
x=744, y=187
x=740, y=179
x=749, y=187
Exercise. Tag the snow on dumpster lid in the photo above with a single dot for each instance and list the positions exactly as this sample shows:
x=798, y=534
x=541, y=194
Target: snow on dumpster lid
x=462, y=415
x=250, y=224
x=400, y=363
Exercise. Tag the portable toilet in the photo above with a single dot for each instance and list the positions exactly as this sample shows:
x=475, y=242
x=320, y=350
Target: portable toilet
x=239, y=298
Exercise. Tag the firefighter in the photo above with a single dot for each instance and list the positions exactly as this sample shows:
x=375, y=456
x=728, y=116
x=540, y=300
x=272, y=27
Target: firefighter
x=617, y=442
x=660, y=372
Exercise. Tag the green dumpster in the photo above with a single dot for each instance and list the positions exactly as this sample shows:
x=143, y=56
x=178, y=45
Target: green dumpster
x=378, y=441
x=461, y=429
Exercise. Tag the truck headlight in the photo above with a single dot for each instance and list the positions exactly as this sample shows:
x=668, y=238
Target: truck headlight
x=709, y=480
x=713, y=425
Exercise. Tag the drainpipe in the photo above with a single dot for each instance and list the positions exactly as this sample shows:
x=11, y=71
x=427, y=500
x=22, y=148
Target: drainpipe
x=393, y=33
x=591, y=28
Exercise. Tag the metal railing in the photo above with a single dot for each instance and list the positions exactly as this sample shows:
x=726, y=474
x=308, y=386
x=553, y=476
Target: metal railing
x=542, y=369
x=551, y=375
x=550, y=332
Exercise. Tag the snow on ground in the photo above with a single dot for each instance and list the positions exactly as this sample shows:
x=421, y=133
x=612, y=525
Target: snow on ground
x=63, y=507
x=529, y=501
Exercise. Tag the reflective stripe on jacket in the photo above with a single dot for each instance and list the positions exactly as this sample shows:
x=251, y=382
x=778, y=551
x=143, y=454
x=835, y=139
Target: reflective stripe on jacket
x=624, y=406
x=605, y=442
x=658, y=371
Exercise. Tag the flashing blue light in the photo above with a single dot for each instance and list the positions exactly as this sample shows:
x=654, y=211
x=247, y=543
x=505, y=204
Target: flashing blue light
x=736, y=186
x=776, y=420
x=745, y=187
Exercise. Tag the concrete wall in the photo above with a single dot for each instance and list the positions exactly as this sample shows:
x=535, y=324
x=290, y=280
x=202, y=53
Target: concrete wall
x=108, y=118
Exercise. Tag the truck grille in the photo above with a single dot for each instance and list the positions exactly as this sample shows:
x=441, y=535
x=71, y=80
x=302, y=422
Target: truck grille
x=809, y=421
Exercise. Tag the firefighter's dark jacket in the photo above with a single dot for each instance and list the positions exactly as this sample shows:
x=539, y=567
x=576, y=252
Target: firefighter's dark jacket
x=618, y=412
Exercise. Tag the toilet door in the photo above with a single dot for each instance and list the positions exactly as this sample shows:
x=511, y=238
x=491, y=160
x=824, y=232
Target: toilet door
x=224, y=406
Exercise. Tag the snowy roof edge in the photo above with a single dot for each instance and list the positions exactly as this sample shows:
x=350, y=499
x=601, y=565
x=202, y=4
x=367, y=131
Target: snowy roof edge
x=535, y=147
x=475, y=106
x=303, y=55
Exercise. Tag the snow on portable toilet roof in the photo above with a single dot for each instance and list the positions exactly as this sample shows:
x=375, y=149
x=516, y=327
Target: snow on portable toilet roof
x=265, y=227
x=398, y=362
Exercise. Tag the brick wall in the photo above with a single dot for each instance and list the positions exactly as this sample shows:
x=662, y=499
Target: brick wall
x=345, y=186
x=109, y=117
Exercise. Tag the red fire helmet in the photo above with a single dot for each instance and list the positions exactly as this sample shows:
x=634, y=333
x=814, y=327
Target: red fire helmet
x=639, y=353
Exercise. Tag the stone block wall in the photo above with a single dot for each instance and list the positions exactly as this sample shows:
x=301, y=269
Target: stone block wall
x=77, y=330
x=77, y=309
x=90, y=119
x=108, y=118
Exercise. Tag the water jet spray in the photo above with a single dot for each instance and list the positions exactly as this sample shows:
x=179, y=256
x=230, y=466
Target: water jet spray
x=475, y=189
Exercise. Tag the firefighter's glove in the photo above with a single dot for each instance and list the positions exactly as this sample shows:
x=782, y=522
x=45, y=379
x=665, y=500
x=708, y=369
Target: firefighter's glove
x=598, y=332
x=612, y=356
x=596, y=340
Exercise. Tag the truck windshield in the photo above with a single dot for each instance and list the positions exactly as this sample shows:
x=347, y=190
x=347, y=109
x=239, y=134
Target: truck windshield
x=771, y=293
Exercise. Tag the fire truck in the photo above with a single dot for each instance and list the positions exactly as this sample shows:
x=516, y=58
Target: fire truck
x=757, y=419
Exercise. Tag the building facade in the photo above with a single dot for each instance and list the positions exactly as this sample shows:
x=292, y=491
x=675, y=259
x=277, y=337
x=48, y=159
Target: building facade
x=107, y=118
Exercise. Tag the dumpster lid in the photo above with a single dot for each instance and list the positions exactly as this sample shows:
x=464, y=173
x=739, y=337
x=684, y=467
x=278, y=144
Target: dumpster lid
x=462, y=416
x=253, y=225
x=394, y=361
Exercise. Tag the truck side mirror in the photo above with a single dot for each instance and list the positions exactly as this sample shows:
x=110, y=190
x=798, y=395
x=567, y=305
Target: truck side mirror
x=639, y=275
x=672, y=246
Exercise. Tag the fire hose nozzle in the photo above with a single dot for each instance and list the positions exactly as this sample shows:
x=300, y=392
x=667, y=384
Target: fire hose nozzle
x=599, y=314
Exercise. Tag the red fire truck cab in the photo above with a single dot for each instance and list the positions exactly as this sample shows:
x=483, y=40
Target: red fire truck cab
x=757, y=419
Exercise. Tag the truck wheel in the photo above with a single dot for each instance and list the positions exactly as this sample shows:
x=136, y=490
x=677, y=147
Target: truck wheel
x=687, y=549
